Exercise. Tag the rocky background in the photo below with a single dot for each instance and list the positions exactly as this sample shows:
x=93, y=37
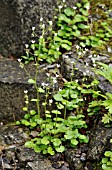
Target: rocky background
x=17, y=17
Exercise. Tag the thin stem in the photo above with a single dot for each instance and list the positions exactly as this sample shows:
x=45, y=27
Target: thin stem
x=65, y=113
x=55, y=124
x=46, y=96
x=37, y=92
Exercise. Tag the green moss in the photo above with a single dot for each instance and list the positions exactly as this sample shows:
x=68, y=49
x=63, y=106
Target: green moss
x=101, y=8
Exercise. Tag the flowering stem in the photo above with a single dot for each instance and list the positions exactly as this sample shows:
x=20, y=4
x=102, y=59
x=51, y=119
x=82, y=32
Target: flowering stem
x=55, y=124
x=65, y=113
x=36, y=87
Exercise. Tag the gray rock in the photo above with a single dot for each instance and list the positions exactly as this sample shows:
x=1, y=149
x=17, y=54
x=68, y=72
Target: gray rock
x=15, y=155
x=99, y=142
x=12, y=136
x=16, y=19
x=7, y=166
x=77, y=68
x=74, y=161
x=13, y=82
x=40, y=165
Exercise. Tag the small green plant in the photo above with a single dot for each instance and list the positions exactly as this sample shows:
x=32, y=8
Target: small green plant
x=56, y=133
x=72, y=24
x=106, y=71
x=61, y=127
x=99, y=99
x=107, y=160
x=56, y=129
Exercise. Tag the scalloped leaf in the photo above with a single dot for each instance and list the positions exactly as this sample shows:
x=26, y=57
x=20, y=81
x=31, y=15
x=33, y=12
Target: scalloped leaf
x=69, y=11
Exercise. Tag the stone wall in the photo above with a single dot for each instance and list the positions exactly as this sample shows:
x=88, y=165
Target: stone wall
x=16, y=19
x=13, y=82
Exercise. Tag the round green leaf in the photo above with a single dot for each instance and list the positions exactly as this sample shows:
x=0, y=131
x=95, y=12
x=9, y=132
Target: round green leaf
x=33, y=124
x=74, y=27
x=58, y=97
x=108, y=154
x=25, y=109
x=31, y=81
x=40, y=90
x=25, y=122
x=62, y=17
x=56, y=112
x=32, y=112
x=18, y=123
x=66, y=46
x=60, y=149
x=69, y=11
x=45, y=140
x=104, y=160
x=74, y=142
x=29, y=144
x=27, y=116
x=37, y=149
x=56, y=141
x=83, y=26
x=50, y=150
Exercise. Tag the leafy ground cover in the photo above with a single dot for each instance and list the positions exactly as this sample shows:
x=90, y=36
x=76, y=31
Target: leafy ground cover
x=65, y=126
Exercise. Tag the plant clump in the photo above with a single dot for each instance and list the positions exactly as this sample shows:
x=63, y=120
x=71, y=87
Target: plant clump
x=65, y=125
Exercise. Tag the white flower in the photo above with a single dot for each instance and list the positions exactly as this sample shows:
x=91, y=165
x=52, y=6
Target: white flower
x=87, y=71
x=76, y=80
x=33, y=35
x=26, y=45
x=57, y=75
x=25, y=91
x=77, y=47
x=1, y=123
x=19, y=60
x=50, y=101
x=60, y=6
x=84, y=52
x=32, y=41
x=93, y=60
x=57, y=49
x=94, y=65
x=86, y=49
x=58, y=65
x=109, y=49
x=85, y=98
x=87, y=64
x=60, y=89
x=74, y=7
x=79, y=53
x=72, y=62
x=41, y=37
x=50, y=23
x=55, y=34
x=98, y=57
x=54, y=80
x=43, y=25
x=90, y=56
x=43, y=84
x=48, y=74
x=41, y=19
x=88, y=7
x=46, y=84
x=63, y=1
x=84, y=73
x=33, y=28
x=66, y=56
